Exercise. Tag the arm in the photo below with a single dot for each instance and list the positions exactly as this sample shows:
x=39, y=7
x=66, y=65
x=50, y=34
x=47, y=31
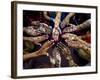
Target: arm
x=66, y=52
x=83, y=54
x=31, y=31
x=31, y=55
x=72, y=27
x=85, y=24
x=56, y=29
x=37, y=39
x=42, y=51
x=57, y=19
x=67, y=19
x=46, y=16
x=74, y=41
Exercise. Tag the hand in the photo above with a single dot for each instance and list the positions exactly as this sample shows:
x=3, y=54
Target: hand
x=67, y=54
x=35, y=24
x=70, y=28
x=75, y=44
x=36, y=40
x=67, y=20
x=41, y=51
x=45, y=47
x=63, y=48
x=70, y=36
x=31, y=31
x=55, y=58
x=55, y=34
x=45, y=29
x=72, y=40
x=63, y=23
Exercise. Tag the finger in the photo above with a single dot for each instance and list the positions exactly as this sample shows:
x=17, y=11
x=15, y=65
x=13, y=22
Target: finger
x=59, y=45
x=38, y=43
x=46, y=49
x=40, y=38
x=49, y=46
x=65, y=30
x=46, y=53
x=50, y=42
x=75, y=44
x=47, y=42
x=64, y=35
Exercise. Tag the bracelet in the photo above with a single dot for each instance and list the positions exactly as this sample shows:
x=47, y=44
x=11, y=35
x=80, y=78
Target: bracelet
x=52, y=19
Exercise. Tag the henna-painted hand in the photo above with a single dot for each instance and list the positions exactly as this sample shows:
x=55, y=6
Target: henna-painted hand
x=31, y=31
x=55, y=34
x=72, y=40
x=70, y=36
x=63, y=23
x=75, y=44
x=63, y=48
x=36, y=40
x=45, y=47
x=70, y=28
x=67, y=53
x=44, y=28
x=35, y=24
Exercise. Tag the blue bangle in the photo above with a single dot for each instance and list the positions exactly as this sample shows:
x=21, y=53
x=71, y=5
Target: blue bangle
x=52, y=19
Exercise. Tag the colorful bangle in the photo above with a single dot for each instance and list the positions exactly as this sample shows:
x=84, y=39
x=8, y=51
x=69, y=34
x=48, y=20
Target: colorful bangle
x=52, y=19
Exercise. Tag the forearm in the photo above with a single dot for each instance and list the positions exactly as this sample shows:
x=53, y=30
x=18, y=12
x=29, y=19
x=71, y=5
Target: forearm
x=70, y=59
x=31, y=55
x=70, y=15
x=46, y=16
x=67, y=18
x=86, y=49
x=67, y=53
x=83, y=54
x=84, y=42
x=85, y=46
x=85, y=24
x=36, y=39
x=30, y=31
x=57, y=19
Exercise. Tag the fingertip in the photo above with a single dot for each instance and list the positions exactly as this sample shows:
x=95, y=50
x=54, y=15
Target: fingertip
x=52, y=40
x=66, y=40
x=53, y=43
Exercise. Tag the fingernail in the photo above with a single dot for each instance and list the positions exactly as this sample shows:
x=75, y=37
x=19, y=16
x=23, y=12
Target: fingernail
x=52, y=40
x=53, y=43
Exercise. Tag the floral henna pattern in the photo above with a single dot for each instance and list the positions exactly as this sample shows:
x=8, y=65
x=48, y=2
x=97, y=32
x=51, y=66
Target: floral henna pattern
x=67, y=38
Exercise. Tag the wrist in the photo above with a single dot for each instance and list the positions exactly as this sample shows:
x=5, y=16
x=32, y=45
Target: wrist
x=36, y=54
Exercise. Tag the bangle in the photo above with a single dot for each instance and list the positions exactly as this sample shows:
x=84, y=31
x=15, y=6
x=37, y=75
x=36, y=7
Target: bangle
x=52, y=19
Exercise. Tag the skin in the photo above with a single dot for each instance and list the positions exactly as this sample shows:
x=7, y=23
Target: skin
x=35, y=29
x=42, y=51
x=83, y=54
x=36, y=40
x=67, y=54
x=46, y=15
x=31, y=31
x=64, y=22
x=35, y=24
x=55, y=59
x=56, y=29
x=72, y=28
x=85, y=24
x=74, y=41
x=67, y=19
x=71, y=39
